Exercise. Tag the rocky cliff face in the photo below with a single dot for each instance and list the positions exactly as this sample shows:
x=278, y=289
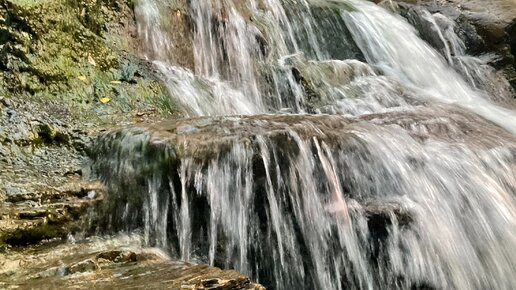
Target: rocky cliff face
x=67, y=69
x=73, y=52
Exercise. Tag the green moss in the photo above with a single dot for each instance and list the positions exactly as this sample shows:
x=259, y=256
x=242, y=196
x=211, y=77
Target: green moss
x=49, y=43
x=56, y=51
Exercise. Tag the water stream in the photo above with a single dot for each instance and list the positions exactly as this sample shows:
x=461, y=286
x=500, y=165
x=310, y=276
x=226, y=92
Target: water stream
x=327, y=147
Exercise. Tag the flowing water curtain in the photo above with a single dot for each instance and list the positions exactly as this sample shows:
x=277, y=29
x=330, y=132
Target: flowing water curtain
x=229, y=36
x=245, y=45
x=240, y=41
x=271, y=205
x=150, y=17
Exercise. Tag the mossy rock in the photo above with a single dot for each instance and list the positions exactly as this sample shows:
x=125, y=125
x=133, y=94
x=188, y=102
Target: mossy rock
x=46, y=44
x=62, y=52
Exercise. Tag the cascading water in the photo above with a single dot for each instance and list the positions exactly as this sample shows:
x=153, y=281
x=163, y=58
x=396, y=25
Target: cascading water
x=392, y=44
x=405, y=185
x=440, y=31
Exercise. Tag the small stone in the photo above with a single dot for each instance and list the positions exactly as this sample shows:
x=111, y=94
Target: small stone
x=84, y=266
x=91, y=194
x=7, y=103
x=118, y=256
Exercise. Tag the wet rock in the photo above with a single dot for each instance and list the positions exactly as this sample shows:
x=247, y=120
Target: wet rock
x=220, y=284
x=325, y=82
x=381, y=215
x=118, y=256
x=387, y=211
x=178, y=29
x=5, y=102
x=492, y=18
x=350, y=88
x=328, y=23
x=158, y=151
x=197, y=171
x=84, y=266
x=50, y=135
x=166, y=143
x=332, y=72
x=169, y=135
x=87, y=264
x=30, y=218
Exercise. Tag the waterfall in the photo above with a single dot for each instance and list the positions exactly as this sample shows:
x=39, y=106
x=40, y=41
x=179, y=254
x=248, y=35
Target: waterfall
x=440, y=32
x=327, y=147
x=392, y=43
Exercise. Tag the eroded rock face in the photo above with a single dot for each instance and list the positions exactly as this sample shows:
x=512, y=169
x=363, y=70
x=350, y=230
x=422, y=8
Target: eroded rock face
x=51, y=213
x=41, y=195
x=119, y=262
x=169, y=39
x=33, y=47
x=67, y=70
x=75, y=55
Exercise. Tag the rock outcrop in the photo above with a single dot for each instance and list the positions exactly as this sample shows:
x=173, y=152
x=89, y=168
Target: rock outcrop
x=67, y=70
x=186, y=181
x=114, y=263
x=133, y=160
x=53, y=213
x=82, y=55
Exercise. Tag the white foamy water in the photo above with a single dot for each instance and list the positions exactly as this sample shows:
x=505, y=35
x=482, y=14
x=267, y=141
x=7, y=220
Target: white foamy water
x=392, y=43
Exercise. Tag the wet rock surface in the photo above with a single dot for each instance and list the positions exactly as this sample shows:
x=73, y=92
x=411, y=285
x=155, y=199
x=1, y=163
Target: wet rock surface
x=205, y=137
x=338, y=87
x=110, y=263
x=33, y=217
x=56, y=90
x=41, y=157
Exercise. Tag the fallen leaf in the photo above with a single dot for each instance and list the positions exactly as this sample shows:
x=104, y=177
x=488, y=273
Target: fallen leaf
x=115, y=82
x=82, y=78
x=105, y=100
x=91, y=60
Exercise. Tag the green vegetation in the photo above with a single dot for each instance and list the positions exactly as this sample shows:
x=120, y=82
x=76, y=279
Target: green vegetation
x=59, y=51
